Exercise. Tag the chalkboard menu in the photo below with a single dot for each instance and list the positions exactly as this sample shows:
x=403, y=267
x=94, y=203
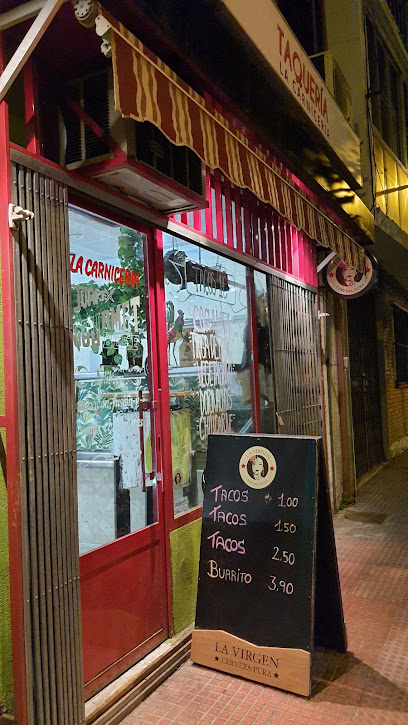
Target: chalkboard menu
x=261, y=575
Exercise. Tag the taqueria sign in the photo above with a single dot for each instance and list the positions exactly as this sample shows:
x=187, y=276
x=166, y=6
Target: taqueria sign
x=265, y=26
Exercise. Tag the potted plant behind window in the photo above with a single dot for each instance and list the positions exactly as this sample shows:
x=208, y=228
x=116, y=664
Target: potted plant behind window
x=134, y=352
x=130, y=253
x=110, y=354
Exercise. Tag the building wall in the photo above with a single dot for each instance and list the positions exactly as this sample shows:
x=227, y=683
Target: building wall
x=344, y=21
x=185, y=552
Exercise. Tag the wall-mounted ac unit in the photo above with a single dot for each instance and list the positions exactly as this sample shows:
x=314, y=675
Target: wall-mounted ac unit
x=335, y=81
x=167, y=177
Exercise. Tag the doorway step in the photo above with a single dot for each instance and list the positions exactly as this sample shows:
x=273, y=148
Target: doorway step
x=118, y=699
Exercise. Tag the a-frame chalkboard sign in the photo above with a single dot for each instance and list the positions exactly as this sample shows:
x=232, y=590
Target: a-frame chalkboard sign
x=268, y=589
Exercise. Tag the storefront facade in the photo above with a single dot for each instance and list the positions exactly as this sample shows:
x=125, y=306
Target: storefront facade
x=144, y=343
x=133, y=334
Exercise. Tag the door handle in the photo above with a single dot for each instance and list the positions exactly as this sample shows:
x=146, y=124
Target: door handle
x=142, y=407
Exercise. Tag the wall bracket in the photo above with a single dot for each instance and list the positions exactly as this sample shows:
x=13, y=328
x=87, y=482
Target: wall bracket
x=18, y=214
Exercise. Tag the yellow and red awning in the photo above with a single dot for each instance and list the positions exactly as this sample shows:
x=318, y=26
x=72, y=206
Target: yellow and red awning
x=146, y=89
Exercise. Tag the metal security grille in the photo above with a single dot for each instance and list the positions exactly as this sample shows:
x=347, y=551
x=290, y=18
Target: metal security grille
x=295, y=358
x=47, y=453
x=364, y=380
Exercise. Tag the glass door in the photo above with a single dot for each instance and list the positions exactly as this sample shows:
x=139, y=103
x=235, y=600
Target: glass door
x=123, y=585
x=209, y=359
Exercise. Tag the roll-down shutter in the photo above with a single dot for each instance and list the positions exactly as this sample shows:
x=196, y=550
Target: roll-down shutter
x=46, y=407
x=295, y=358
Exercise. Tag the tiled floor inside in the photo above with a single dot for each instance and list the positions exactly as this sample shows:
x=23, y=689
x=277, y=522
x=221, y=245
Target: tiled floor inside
x=366, y=686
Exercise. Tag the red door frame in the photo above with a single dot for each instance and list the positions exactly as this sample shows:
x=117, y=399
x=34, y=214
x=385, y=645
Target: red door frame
x=121, y=548
x=176, y=522
x=9, y=420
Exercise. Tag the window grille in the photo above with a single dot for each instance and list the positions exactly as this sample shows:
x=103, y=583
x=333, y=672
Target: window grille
x=296, y=367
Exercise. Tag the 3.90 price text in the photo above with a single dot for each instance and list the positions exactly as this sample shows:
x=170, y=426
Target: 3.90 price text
x=281, y=586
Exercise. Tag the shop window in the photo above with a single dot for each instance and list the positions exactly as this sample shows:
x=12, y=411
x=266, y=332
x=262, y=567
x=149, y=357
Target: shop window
x=114, y=437
x=401, y=345
x=208, y=359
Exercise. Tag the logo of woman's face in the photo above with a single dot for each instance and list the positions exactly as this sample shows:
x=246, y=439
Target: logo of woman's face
x=349, y=276
x=346, y=280
x=346, y=275
x=258, y=467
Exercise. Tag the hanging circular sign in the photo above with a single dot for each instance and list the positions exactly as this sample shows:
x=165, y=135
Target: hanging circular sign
x=347, y=282
x=257, y=467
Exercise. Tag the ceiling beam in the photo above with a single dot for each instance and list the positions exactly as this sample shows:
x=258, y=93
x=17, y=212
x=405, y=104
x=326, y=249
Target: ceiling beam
x=27, y=45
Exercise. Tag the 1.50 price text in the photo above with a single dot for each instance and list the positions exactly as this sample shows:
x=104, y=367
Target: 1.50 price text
x=285, y=527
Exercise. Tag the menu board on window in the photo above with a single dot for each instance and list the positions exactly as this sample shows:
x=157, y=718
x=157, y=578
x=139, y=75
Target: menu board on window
x=268, y=586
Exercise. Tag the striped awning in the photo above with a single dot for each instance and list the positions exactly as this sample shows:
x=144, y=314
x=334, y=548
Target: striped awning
x=146, y=89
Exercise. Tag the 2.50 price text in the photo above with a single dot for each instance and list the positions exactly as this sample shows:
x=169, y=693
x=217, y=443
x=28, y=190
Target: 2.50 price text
x=286, y=557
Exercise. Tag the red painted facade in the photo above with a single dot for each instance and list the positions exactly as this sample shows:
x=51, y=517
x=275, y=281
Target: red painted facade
x=238, y=221
x=126, y=586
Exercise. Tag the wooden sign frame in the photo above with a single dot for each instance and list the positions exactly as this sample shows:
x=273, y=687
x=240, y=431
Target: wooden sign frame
x=318, y=613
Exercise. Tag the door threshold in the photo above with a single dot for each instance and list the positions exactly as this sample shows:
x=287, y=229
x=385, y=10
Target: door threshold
x=112, y=704
x=366, y=477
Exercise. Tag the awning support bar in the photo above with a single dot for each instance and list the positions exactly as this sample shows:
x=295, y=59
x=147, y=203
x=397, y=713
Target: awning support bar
x=21, y=13
x=28, y=44
x=326, y=261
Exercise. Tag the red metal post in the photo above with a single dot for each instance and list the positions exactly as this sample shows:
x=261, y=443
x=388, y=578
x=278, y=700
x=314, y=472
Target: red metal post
x=263, y=240
x=271, y=235
x=228, y=213
x=302, y=254
x=294, y=267
x=218, y=206
x=279, y=237
x=312, y=257
x=208, y=211
x=246, y=203
x=290, y=256
x=164, y=445
x=10, y=419
x=238, y=218
x=197, y=220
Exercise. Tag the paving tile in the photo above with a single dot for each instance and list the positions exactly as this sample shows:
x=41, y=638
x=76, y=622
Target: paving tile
x=366, y=686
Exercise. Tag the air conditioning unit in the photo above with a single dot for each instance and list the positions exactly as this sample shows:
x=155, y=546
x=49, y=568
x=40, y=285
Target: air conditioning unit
x=335, y=81
x=167, y=177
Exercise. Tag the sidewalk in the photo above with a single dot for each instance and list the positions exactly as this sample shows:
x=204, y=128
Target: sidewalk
x=366, y=686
